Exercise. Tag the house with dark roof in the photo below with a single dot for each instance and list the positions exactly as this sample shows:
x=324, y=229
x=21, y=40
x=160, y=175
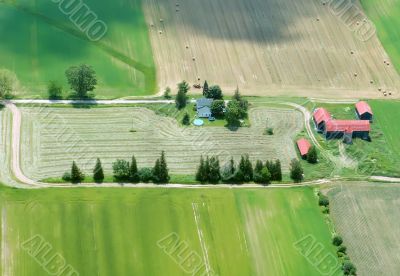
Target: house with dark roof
x=203, y=107
x=364, y=111
x=304, y=147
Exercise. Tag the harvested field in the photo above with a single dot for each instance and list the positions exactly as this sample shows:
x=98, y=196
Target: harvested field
x=271, y=47
x=53, y=137
x=367, y=217
x=109, y=231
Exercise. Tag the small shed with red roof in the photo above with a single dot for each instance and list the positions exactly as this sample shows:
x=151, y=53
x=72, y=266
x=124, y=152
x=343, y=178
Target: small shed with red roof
x=304, y=147
x=364, y=111
x=321, y=116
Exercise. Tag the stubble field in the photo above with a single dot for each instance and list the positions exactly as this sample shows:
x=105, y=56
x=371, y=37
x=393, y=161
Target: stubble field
x=53, y=137
x=366, y=215
x=270, y=47
x=118, y=231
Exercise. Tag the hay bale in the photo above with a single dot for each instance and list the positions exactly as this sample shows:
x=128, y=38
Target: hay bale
x=187, y=46
x=160, y=32
x=371, y=81
x=161, y=20
x=193, y=58
x=355, y=74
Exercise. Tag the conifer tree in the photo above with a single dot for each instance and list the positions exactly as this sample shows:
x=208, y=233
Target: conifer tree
x=201, y=174
x=278, y=171
x=214, y=175
x=98, y=173
x=133, y=171
x=76, y=175
x=205, y=89
x=163, y=176
x=156, y=172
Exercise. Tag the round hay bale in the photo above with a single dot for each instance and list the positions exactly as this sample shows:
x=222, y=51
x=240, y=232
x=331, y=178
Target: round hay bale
x=194, y=58
x=187, y=46
x=160, y=32
x=355, y=74
x=161, y=20
x=371, y=81
x=387, y=63
x=151, y=25
x=352, y=52
x=317, y=18
x=390, y=93
x=379, y=89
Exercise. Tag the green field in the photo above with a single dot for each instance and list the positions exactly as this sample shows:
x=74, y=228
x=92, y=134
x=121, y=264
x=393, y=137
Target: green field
x=39, y=43
x=116, y=231
x=385, y=14
x=366, y=216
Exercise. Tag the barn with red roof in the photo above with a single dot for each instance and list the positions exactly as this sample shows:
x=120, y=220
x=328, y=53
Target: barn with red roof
x=321, y=117
x=348, y=129
x=304, y=147
x=364, y=111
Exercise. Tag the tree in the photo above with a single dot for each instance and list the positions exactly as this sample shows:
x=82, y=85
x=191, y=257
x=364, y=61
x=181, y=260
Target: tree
x=133, y=171
x=237, y=95
x=76, y=175
x=337, y=240
x=145, y=175
x=232, y=114
x=98, y=173
x=186, y=119
x=8, y=84
x=246, y=169
x=214, y=175
x=181, y=99
x=265, y=176
x=312, y=156
x=184, y=87
x=342, y=249
x=349, y=268
x=215, y=93
x=201, y=174
x=218, y=108
x=278, y=170
x=261, y=173
x=323, y=200
x=167, y=93
x=296, y=171
x=229, y=171
x=161, y=170
x=121, y=170
x=82, y=79
x=205, y=89
x=54, y=91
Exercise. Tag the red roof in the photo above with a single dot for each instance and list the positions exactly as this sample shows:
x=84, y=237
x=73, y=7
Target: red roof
x=321, y=115
x=304, y=146
x=363, y=107
x=348, y=126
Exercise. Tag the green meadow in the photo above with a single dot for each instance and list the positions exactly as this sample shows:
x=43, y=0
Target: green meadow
x=385, y=14
x=39, y=42
x=152, y=231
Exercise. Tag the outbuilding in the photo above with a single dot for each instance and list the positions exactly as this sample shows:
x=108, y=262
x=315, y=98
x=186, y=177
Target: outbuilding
x=321, y=117
x=348, y=129
x=364, y=111
x=304, y=147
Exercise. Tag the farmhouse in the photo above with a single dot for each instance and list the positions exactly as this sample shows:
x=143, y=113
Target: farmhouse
x=364, y=111
x=203, y=107
x=304, y=147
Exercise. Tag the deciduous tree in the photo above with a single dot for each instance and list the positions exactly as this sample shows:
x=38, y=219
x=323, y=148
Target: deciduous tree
x=296, y=171
x=82, y=79
x=121, y=170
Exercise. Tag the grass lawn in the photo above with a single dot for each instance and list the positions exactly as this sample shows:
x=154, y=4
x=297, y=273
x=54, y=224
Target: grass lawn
x=385, y=14
x=115, y=231
x=39, y=43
